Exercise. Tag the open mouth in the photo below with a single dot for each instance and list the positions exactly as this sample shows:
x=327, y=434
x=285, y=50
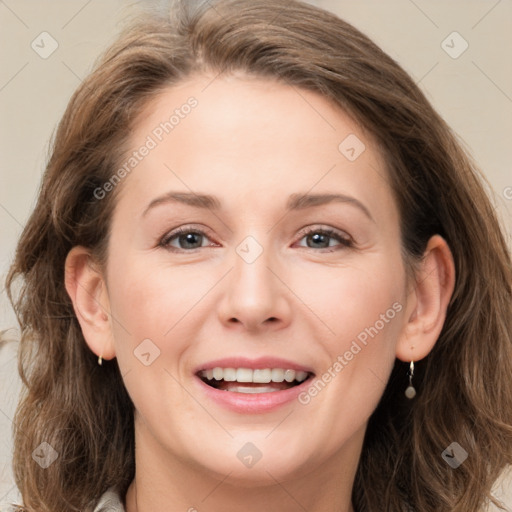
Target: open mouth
x=246, y=380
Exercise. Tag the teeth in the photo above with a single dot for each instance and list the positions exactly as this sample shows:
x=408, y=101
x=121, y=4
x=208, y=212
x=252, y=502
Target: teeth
x=289, y=375
x=230, y=375
x=260, y=376
x=301, y=376
x=244, y=375
x=277, y=375
x=248, y=389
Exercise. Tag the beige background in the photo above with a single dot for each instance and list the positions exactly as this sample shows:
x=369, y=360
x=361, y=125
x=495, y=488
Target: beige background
x=472, y=92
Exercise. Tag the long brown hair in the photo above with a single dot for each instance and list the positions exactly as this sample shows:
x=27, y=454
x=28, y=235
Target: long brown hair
x=84, y=412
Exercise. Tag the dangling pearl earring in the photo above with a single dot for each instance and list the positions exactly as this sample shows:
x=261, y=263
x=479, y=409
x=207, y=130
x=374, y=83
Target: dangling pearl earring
x=100, y=360
x=410, y=392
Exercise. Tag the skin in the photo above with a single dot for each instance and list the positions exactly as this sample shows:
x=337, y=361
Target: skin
x=251, y=143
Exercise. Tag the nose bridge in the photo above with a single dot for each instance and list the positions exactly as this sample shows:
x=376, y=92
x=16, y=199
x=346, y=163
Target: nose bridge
x=253, y=294
x=252, y=279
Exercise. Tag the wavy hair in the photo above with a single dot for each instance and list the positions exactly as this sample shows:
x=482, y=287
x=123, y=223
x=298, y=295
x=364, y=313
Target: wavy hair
x=465, y=383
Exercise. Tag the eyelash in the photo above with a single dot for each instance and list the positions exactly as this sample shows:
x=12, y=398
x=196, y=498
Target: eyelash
x=344, y=242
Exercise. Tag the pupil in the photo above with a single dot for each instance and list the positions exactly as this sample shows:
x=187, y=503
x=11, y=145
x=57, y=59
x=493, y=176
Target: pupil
x=189, y=238
x=317, y=238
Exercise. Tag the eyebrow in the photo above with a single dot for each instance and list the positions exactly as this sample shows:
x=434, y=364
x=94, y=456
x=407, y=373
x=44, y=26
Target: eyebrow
x=299, y=201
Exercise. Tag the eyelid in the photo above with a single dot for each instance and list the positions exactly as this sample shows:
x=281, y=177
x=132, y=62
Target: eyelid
x=326, y=229
x=188, y=228
x=344, y=238
x=345, y=241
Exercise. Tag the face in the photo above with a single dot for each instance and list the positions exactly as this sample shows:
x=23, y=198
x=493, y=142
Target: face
x=290, y=270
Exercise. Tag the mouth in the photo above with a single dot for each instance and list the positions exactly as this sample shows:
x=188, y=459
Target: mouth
x=252, y=385
x=253, y=381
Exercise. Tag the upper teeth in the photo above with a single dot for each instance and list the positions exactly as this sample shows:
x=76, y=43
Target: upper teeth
x=258, y=376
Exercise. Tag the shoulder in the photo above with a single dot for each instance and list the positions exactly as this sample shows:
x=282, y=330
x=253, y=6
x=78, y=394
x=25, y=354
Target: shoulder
x=110, y=502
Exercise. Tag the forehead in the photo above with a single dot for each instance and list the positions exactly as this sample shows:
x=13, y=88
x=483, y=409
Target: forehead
x=252, y=136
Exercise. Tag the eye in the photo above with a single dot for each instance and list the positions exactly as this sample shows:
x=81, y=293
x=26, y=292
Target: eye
x=186, y=238
x=319, y=238
x=189, y=239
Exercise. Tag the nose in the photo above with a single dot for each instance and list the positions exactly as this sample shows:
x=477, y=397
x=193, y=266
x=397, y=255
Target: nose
x=255, y=297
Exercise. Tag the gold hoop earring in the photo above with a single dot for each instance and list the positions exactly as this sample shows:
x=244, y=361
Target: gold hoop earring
x=410, y=392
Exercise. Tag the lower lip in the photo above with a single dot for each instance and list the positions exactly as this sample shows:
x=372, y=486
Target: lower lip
x=252, y=403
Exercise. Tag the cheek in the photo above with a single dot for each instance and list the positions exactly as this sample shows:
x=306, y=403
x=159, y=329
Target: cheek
x=147, y=305
x=144, y=306
x=151, y=300
x=363, y=309
x=354, y=299
x=157, y=303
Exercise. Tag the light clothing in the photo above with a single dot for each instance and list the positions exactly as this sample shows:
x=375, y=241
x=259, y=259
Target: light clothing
x=110, y=502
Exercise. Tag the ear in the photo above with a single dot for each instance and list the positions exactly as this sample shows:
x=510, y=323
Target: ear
x=88, y=292
x=427, y=302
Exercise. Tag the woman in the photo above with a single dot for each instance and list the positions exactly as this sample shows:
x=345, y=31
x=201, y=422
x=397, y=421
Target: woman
x=261, y=274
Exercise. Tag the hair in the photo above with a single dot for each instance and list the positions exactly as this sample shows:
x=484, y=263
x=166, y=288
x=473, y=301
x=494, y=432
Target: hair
x=465, y=389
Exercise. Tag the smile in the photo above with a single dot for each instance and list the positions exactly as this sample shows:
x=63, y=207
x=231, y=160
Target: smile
x=247, y=380
x=252, y=385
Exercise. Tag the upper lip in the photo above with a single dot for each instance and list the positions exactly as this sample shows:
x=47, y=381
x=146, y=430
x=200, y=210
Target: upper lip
x=253, y=364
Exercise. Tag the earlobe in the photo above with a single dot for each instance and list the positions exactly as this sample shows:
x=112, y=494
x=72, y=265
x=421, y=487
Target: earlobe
x=86, y=288
x=428, y=303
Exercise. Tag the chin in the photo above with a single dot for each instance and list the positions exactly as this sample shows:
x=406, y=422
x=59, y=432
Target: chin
x=249, y=466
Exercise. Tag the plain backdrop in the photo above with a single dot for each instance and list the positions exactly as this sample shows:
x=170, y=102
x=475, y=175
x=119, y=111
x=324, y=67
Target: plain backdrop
x=458, y=51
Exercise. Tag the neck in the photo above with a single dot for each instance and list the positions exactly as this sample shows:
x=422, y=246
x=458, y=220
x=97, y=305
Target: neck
x=162, y=479
x=278, y=496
